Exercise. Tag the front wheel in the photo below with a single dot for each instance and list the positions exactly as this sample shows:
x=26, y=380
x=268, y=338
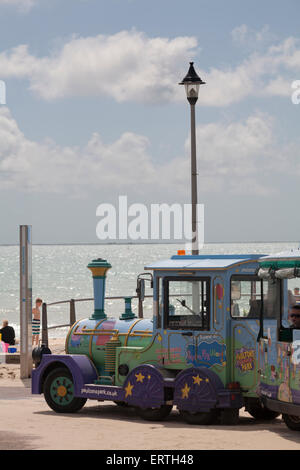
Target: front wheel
x=59, y=392
x=155, y=414
x=292, y=422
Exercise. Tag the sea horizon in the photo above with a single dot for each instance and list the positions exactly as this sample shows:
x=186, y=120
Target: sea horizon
x=159, y=242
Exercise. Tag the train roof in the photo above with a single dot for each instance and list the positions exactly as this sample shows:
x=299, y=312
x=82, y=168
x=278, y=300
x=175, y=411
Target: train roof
x=284, y=259
x=202, y=261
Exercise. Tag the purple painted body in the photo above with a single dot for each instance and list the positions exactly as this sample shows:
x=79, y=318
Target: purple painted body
x=144, y=387
x=195, y=389
x=200, y=389
x=80, y=366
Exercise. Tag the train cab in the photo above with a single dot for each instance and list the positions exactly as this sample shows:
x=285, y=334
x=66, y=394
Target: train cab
x=206, y=312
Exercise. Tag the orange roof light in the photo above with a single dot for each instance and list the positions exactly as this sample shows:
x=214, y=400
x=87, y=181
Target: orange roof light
x=181, y=252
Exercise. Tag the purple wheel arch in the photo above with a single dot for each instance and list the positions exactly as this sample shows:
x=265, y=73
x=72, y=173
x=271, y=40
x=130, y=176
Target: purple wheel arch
x=144, y=387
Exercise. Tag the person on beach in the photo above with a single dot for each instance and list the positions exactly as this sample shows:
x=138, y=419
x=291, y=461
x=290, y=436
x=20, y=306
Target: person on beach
x=294, y=315
x=36, y=322
x=8, y=333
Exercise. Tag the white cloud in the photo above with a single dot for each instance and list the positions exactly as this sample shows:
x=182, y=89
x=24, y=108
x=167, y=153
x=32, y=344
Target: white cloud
x=129, y=66
x=22, y=5
x=47, y=167
x=233, y=157
x=261, y=74
x=243, y=35
x=126, y=66
x=279, y=87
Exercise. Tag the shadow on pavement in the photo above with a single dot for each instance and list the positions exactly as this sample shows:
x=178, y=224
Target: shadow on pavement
x=174, y=420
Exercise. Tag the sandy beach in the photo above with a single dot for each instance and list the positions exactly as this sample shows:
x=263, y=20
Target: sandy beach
x=12, y=371
x=28, y=423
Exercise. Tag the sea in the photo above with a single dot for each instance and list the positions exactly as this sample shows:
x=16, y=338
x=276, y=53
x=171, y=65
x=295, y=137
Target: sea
x=59, y=273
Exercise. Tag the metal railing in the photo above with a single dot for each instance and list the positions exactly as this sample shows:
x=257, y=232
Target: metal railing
x=72, y=312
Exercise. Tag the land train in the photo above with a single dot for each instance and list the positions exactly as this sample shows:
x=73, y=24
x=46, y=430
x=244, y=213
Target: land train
x=199, y=353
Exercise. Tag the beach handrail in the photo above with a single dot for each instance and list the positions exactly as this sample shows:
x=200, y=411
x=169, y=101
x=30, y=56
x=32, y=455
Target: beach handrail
x=44, y=324
x=72, y=313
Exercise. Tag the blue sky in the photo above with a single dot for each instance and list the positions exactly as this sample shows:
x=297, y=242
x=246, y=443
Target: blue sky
x=93, y=111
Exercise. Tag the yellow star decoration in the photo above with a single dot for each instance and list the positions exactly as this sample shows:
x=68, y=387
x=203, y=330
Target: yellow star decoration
x=149, y=377
x=185, y=391
x=159, y=338
x=139, y=377
x=197, y=379
x=128, y=389
x=207, y=380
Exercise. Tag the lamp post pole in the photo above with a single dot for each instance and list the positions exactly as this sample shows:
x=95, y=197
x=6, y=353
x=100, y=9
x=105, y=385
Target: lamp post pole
x=192, y=83
x=194, y=191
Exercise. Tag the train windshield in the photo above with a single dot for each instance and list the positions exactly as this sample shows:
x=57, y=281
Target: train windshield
x=186, y=303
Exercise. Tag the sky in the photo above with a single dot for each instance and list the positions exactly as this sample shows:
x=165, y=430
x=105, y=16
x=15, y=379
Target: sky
x=93, y=111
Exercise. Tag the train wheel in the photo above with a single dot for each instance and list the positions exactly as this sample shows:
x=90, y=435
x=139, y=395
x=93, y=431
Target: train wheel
x=154, y=414
x=230, y=416
x=203, y=418
x=260, y=412
x=292, y=422
x=59, y=392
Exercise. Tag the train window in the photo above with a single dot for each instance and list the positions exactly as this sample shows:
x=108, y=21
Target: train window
x=293, y=297
x=249, y=294
x=186, y=303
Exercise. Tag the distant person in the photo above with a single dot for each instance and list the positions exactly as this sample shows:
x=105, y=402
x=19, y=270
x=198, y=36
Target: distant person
x=294, y=315
x=36, y=322
x=297, y=291
x=8, y=333
x=235, y=309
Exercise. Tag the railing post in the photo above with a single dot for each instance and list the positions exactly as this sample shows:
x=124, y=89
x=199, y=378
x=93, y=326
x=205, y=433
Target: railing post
x=72, y=312
x=140, y=290
x=141, y=313
x=25, y=301
x=44, y=325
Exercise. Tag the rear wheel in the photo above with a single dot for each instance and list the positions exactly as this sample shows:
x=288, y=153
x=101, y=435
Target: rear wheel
x=59, y=392
x=155, y=414
x=230, y=416
x=203, y=418
x=292, y=422
x=260, y=412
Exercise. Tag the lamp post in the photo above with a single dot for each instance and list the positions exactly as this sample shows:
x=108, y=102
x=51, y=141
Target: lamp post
x=192, y=84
